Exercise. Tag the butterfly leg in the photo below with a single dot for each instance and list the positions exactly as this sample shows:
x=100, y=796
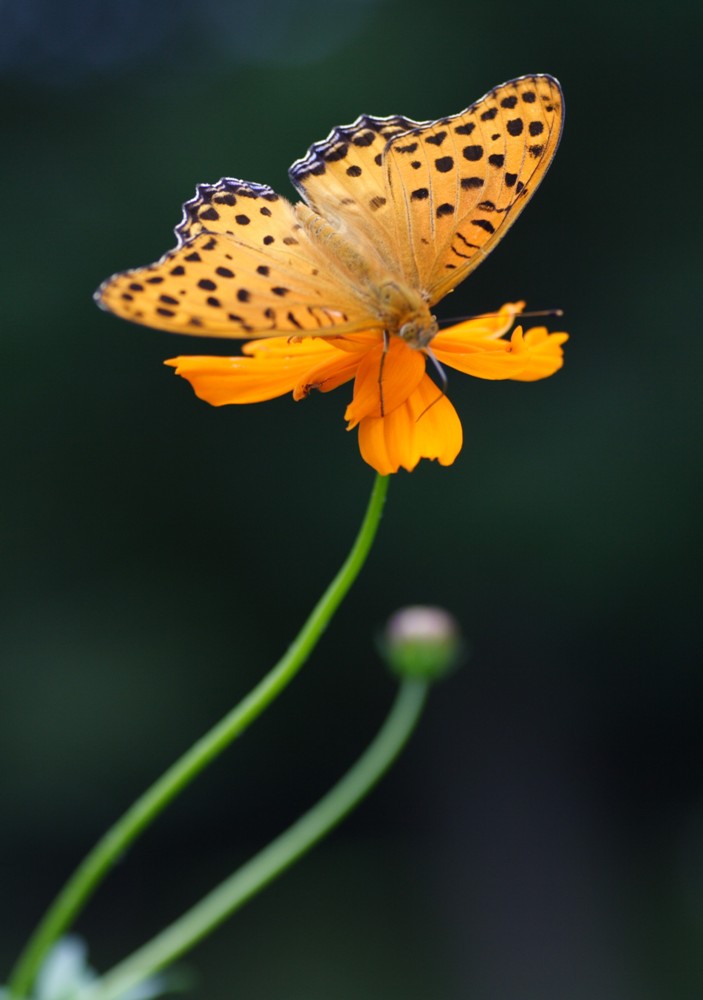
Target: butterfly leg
x=444, y=381
x=386, y=344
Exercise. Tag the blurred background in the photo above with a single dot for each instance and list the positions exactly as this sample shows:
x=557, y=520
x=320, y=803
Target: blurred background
x=543, y=835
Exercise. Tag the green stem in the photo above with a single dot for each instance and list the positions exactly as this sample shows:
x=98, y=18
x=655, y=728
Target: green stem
x=231, y=894
x=96, y=865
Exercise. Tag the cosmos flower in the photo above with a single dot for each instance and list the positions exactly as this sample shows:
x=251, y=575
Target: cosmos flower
x=402, y=414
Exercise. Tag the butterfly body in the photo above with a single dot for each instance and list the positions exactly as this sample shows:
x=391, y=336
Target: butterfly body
x=393, y=306
x=395, y=214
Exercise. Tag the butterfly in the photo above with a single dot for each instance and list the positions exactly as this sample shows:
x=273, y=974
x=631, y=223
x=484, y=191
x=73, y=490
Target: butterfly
x=395, y=214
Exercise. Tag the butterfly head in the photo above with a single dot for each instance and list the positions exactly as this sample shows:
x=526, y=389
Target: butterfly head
x=418, y=333
x=405, y=313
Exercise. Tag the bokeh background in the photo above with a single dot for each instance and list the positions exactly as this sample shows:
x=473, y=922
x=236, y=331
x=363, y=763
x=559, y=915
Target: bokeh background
x=543, y=835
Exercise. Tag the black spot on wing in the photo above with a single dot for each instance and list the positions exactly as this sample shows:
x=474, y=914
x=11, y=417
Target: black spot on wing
x=444, y=164
x=437, y=138
x=340, y=143
x=484, y=224
x=337, y=152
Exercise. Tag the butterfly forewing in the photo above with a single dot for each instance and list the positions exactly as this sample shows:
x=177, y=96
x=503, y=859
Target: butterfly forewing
x=458, y=184
x=245, y=266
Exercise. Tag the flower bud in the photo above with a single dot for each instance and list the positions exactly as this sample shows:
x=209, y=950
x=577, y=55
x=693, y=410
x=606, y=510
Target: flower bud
x=421, y=642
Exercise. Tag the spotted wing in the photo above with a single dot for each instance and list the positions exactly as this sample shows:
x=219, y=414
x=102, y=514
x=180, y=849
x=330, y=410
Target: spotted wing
x=435, y=197
x=458, y=184
x=343, y=179
x=244, y=266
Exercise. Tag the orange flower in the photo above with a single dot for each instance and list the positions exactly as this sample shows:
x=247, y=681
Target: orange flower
x=401, y=413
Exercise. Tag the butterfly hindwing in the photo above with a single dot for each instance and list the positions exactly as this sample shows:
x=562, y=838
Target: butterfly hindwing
x=344, y=180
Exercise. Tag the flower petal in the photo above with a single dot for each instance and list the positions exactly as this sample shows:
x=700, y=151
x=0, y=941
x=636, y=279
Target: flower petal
x=328, y=375
x=541, y=351
x=241, y=380
x=425, y=426
x=494, y=359
x=385, y=379
x=294, y=346
x=475, y=346
x=479, y=330
x=525, y=357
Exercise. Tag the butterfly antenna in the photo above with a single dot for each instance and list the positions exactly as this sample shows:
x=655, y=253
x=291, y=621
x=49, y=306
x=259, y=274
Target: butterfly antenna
x=495, y=315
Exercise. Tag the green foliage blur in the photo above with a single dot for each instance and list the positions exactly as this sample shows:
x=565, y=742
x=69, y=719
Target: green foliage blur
x=543, y=835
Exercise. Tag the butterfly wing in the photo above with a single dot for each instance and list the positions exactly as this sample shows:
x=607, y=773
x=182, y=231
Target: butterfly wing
x=244, y=267
x=344, y=180
x=458, y=184
x=435, y=197
x=423, y=202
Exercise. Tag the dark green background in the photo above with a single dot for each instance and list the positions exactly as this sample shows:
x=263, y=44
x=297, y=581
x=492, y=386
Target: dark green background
x=543, y=836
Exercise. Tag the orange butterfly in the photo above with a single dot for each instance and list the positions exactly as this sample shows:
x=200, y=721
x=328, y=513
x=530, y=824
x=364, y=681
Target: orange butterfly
x=395, y=214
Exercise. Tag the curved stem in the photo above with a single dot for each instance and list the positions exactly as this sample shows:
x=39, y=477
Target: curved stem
x=231, y=894
x=110, y=847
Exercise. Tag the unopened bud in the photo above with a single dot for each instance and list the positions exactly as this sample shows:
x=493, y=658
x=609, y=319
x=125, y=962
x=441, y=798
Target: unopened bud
x=421, y=642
